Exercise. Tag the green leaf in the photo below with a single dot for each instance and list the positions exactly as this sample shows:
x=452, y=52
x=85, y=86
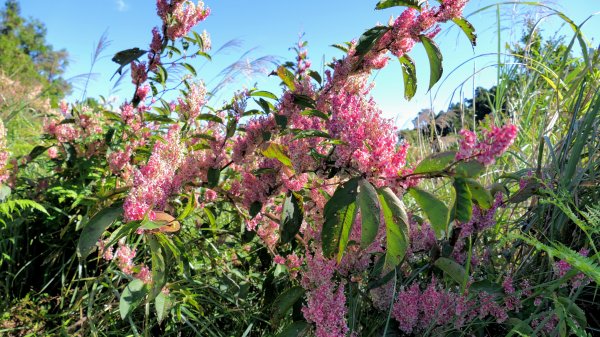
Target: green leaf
x=292, y=217
x=210, y=117
x=93, y=230
x=469, y=169
x=255, y=208
x=277, y=151
x=287, y=77
x=467, y=28
x=281, y=121
x=315, y=75
x=435, y=210
x=36, y=151
x=162, y=304
x=435, y=163
x=463, y=206
x=296, y=329
x=159, y=266
x=348, y=215
x=125, y=57
x=315, y=113
x=339, y=214
x=264, y=105
x=435, y=60
x=131, y=297
x=574, y=310
x=370, y=210
x=396, y=227
x=213, y=176
x=284, y=302
x=452, y=269
x=263, y=94
x=393, y=3
x=519, y=327
x=369, y=39
x=190, y=68
x=311, y=133
x=479, y=194
x=409, y=74
x=304, y=101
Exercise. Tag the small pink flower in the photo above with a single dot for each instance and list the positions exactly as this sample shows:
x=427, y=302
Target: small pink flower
x=53, y=152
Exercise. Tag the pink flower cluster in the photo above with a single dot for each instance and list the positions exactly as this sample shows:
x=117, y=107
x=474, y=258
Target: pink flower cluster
x=292, y=262
x=180, y=16
x=370, y=142
x=194, y=101
x=563, y=267
x=411, y=24
x=417, y=311
x=325, y=298
x=153, y=183
x=493, y=143
x=138, y=73
x=63, y=132
x=124, y=256
x=118, y=159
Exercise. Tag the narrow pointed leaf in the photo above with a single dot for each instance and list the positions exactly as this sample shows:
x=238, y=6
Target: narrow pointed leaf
x=463, y=206
x=162, y=304
x=409, y=74
x=287, y=77
x=392, y=3
x=396, y=227
x=92, y=231
x=284, y=302
x=338, y=213
x=131, y=297
x=435, y=60
x=291, y=219
x=277, y=151
x=369, y=39
x=467, y=28
x=369, y=211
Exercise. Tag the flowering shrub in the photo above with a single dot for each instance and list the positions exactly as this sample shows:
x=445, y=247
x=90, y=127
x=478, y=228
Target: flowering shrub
x=317, y=174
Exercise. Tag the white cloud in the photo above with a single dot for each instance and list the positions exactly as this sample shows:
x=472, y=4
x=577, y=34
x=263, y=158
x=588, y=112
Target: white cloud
x=121, y=5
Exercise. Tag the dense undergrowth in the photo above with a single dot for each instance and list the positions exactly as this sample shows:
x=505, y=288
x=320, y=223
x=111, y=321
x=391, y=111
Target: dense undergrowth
x=304, y=213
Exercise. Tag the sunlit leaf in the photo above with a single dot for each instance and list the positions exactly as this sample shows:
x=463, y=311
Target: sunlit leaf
x=277, y=151
x=339, y=214
x=409, y=74
x=467, y=28
x=435, y=163
x=392, y=3
x=92, y=231
x=370, y=210
x=435, y=210
x=435, y=60
x=131, y=297
x=369, y=39
x=463, y=206
x=396, y=226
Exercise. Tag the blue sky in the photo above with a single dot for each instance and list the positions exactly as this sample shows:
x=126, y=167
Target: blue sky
x=270, y=28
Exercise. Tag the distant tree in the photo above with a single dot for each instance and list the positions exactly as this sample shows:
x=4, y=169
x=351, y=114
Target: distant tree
x=25, y=55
